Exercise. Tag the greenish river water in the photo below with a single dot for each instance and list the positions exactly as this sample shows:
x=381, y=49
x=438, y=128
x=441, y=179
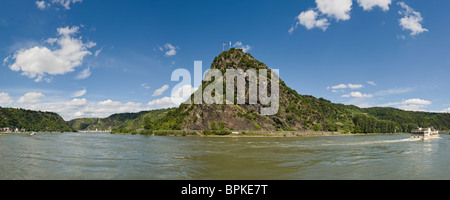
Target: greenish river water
x=106, y=156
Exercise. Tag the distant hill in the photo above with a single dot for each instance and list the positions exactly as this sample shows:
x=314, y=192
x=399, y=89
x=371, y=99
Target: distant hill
x=32, y=120
x=124, y=122
x=296, y=112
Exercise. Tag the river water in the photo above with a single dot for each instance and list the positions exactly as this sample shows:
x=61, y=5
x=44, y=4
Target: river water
x=105, y=156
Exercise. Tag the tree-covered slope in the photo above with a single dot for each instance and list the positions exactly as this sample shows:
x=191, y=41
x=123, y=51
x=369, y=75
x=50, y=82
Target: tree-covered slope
x=32, y=120
x=122, y=122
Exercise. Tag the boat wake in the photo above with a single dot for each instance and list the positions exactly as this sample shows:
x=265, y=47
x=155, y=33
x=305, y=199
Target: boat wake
x=362, y=143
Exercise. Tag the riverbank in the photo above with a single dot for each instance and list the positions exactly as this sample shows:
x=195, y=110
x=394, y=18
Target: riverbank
x=179, y=133
x=28, y=133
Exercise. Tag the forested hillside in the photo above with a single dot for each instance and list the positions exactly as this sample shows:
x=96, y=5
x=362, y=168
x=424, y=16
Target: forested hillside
x=32, y=120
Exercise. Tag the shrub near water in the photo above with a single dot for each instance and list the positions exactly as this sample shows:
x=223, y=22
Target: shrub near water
x=216, y=132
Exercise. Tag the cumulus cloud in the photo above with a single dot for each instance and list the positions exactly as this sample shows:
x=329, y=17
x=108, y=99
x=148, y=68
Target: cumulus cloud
x=411, y=20
x=357, y=95
x=416, y=101
x=5, y=99
x=239, y=45
x=338, y=9
x=159, y=91
x=170, y=49
x=344, y=86
x=42, y=4
x=371, y=83
x=340, y=86
x=309, y=19
x=410, y=104
x=165, y=102
x=64, y=3
x=355, y=86
x=31, y=98
x=370, y=4
x=316, y=18
x=38, y=61
x=178, y=96
x=77, y=103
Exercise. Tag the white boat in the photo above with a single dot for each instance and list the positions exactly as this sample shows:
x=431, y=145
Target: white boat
x=424, y=134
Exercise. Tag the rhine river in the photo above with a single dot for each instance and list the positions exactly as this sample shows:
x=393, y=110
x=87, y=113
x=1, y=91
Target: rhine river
x=105, y=156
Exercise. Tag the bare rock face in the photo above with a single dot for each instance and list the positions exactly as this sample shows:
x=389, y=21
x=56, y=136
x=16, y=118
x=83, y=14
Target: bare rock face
x=295, y=111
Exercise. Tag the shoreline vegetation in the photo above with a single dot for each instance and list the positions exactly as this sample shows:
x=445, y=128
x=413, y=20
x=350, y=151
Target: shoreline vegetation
x=209, y=133
x=226, y=134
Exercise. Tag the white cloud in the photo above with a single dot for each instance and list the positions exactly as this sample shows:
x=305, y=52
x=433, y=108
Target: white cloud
x=416, y=101
x=159, y=91
x=411, y=20
x=411, y=107
x=355, y=86
x=42, y=5
x=165, y=102
x=310, y=21
x=145, y=85
x=76, y=103
x=239, y=45
x=38, y=61
x=6, y=60
x=315, y=18
x=344, y=86
x=371, y=83
x=410, y=104
x=66, y=3
x=98, y=52
x=340, y=86
x=79, y=93
x=446, y=110
x=109, y=102
x=170, y=49
x=86, y=73
x=338, y=9
x=178, y=96
x=31, y=98
x=369, y=4
x=5, y=99
x=357, y=95
x=67, y=31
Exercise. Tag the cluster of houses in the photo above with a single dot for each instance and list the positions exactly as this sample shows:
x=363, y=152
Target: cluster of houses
x=11, y=130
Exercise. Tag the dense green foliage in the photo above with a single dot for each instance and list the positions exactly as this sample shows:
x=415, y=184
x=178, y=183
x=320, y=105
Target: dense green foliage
x=133, y=123
x=32, y=120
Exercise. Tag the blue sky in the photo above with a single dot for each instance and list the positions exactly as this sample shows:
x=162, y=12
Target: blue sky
x=93, y=58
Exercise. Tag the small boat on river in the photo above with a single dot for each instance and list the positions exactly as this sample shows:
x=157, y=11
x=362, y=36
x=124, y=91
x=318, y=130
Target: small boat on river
x=424, y=134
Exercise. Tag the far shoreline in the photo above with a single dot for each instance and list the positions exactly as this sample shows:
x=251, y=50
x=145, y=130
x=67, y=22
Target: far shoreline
x=243, y=134
x=273, y=134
